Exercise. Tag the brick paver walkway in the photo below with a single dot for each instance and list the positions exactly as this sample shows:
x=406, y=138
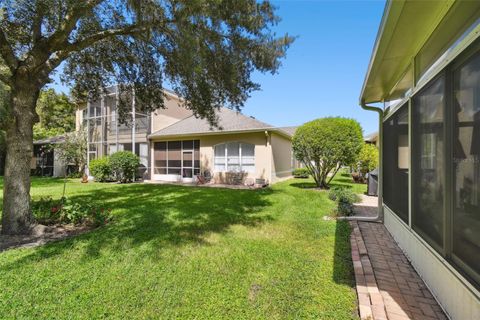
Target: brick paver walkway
x=387, y=285
x=367, y=207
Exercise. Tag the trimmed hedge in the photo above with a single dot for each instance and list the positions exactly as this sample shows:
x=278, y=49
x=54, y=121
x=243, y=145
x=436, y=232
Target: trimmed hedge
x=124, y=165
x=101, y=169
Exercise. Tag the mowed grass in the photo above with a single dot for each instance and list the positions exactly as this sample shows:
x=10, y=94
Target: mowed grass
x=188, y=253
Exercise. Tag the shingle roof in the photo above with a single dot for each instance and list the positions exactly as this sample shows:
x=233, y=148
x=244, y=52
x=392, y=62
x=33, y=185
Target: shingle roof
x=228, y=120
x=371, y=137
x=290, y=130
x=51, y=140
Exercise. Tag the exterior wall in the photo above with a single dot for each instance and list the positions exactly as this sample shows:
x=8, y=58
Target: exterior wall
x=263, y=154
x=58, y=165
x=173, y=112
x=459, y=299
x=282, y=158
x=78, y=118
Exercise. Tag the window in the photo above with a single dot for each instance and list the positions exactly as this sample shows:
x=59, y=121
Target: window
x=428, y=169
x=177, y=157
x=466, y=155
x=234, y=157
x=395, y=165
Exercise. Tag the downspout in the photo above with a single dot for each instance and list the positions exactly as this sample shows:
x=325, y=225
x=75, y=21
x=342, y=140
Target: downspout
x=379, y=217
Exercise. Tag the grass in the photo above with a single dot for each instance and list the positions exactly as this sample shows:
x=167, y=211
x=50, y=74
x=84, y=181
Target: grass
x=186, y=252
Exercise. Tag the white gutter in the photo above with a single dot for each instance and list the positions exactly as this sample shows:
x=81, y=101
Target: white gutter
x=379, y=217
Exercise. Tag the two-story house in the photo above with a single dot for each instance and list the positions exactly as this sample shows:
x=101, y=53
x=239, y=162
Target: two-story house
x=173, y=145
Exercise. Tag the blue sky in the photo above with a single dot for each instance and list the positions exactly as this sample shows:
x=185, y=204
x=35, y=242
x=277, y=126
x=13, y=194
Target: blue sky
x=324, y=70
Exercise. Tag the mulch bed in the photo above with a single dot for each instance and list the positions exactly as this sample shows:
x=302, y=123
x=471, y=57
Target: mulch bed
x=41, y=235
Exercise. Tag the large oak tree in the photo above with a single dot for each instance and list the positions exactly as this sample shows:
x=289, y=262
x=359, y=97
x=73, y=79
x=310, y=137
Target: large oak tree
x=205, y=50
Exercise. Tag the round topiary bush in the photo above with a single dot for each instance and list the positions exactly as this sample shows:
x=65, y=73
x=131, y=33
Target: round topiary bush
x=325, y=145
x=124, y=165
x=101, y=169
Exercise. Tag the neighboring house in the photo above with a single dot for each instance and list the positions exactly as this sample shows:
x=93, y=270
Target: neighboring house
x=173, y=145
x=426, y=67
x=371, y=138
x=45, y=161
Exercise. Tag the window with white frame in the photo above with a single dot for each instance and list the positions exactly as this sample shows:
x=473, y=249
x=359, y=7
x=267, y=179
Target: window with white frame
x=234, y=157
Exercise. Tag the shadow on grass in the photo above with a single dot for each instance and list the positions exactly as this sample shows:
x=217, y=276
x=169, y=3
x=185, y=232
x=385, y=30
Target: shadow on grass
x=156, y=216
x=304, y=185
x=342, y=260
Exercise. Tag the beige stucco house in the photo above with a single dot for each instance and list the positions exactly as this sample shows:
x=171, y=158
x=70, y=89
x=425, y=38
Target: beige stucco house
x=174, y=145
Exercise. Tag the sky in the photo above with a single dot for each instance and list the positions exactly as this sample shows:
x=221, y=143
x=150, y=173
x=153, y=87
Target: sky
x=323, y=72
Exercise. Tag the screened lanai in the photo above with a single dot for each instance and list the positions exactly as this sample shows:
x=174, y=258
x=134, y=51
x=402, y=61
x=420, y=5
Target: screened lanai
x=108, y=134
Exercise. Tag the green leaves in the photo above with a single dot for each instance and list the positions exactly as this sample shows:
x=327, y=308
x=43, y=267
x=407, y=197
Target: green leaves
x=124, y=165
x=324, y=145
x=367, y=159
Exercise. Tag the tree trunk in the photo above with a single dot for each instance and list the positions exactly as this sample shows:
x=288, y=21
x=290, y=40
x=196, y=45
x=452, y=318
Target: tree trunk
x=17, y=216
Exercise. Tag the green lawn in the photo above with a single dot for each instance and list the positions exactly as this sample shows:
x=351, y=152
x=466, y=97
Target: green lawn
x=186, y=252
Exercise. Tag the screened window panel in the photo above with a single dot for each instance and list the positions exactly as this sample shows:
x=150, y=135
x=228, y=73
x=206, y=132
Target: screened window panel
x=188, y=145
x=187, y=159
x=160, y=155
x=395, y=165
x=187, y=172
x=175, y=154
x=466, y=148
x=176, y=171
x=428, y=163
x=160, y=170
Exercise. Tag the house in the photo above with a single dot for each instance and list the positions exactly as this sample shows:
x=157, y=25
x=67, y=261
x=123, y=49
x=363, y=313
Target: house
x=371, y=138
x=424, y=81
x=45, y=161
x=174, y=145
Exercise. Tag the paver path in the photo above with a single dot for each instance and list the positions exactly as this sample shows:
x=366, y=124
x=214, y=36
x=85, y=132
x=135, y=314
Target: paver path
x=387, y=285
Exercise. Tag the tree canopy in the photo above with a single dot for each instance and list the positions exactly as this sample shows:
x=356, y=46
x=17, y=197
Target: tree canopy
x=325, y=145
x=206, y=50
x=56, y=113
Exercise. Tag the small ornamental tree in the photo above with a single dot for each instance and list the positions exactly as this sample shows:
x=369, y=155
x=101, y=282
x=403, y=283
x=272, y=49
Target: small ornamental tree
x=367, y=159
x=325, y=145
x=73, y=151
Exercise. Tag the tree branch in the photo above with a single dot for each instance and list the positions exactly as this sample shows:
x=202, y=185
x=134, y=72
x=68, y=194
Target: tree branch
x=334, y=173
x=70, y=21
x=7, y=52
x=101, y=35
x=37, y=22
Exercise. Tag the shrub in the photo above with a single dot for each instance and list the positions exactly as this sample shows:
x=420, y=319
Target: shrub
x=124, y=165
x=101, y=169
x=301, y=173
x=367, y=159
x=47, y=211
x=325, y=145
x=345, y=199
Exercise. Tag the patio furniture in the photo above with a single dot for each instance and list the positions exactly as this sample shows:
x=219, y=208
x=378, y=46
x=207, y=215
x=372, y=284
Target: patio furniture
x=204, y=178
